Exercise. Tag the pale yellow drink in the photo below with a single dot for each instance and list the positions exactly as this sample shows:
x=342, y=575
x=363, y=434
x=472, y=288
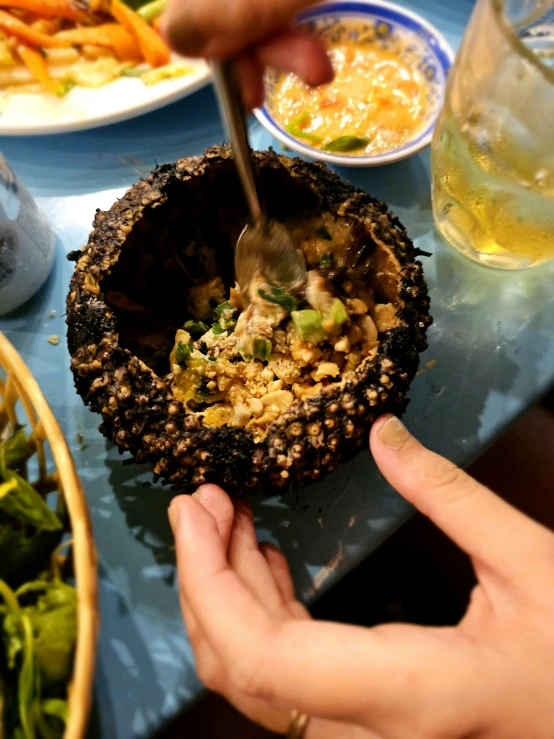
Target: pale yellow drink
x=493, y=150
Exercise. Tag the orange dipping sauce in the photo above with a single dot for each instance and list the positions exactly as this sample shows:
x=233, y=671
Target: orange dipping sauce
x=377, y=100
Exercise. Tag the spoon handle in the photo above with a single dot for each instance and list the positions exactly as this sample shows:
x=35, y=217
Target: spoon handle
x=229, y=97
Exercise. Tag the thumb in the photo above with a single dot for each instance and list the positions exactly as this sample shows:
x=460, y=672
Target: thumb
x=482, y=524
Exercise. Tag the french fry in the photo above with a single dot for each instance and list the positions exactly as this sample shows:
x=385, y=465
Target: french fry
x=57, y=57
x=151, y=45
x=37, y=66
x=110, y=35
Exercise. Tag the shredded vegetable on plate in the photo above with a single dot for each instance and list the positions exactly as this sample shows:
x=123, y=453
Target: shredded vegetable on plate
x=50, y=46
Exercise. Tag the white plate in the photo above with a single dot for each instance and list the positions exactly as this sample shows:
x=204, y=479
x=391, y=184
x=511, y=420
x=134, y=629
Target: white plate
x=24, y=114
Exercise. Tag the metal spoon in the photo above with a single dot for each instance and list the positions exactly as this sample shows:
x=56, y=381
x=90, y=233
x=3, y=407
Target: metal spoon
x=265, y=245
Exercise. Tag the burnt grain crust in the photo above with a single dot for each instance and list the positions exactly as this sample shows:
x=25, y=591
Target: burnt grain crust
x=315, y=435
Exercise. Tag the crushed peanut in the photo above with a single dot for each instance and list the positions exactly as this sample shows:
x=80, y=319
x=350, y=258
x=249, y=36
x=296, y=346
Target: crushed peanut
x=267, y=349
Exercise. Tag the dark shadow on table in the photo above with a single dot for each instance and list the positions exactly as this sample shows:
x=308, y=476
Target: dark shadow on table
x=130, y=664
x=144, y=505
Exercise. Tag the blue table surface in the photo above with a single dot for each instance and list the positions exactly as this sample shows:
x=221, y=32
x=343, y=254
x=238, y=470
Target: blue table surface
x=491, y=354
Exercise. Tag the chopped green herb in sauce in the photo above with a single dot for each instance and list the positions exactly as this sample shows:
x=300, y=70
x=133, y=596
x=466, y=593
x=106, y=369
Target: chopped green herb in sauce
x=182, y=353
x=277, y=295
x=195, y=328
x=346, y=143
x=326, y=261
x=294, y=129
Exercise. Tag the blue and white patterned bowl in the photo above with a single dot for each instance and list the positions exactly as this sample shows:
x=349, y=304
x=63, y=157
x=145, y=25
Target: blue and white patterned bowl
x=423, y=44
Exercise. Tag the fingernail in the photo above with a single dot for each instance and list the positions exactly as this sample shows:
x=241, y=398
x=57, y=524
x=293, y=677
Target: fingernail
x=393, y=434
x=199, y=493
x=173, y=515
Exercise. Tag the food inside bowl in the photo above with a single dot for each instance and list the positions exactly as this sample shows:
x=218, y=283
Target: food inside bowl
x=267, y=349
x=268, y=390
x=377, y=101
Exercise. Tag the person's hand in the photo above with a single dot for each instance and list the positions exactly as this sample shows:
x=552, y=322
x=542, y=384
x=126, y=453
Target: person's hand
x=491, y=677
x=257, y=32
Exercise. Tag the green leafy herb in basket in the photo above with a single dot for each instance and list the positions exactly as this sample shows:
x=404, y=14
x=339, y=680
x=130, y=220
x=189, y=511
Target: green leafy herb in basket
x=38, y=610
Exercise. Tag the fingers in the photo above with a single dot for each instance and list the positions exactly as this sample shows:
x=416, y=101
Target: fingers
x=298, y=52
x=220, y=29
x=248, y=562
x=251, y=76
x=217, y=502
x=480, y=522
x=323, y=669
x=289, y=51
x=279, y=568
x=223, y=600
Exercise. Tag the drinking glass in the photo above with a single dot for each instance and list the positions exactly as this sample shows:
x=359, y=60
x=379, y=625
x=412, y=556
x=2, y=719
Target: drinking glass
x=493, y=149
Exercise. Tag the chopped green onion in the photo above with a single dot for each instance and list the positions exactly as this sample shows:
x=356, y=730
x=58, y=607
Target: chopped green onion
x=261, y=349
x=134, y=72
x=217, y=330
x=294, y=130
x=152, y=10
x=64, y=88
x=326, y=261
x=182, y=353
x=277, y=295
x=168, y=72
x=226, y=314
x=297, y=122
x=195, y=328
x=224, y=308
x=308, y=324
x=337, y=313
x=346, y=143
x=255, y=348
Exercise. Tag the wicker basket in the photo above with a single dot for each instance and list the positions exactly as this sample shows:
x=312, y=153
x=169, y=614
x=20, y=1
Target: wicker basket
x=18, y=386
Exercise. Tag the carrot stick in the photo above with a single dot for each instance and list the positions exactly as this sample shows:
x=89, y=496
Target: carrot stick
x=29, y=36
x=110, y=35
x=150, y=43
x=58, y=8
x=124, y=44
x=37, y=66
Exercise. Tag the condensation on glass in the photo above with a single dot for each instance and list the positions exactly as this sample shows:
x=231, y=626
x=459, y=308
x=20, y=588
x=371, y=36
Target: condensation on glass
x=493, y=147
